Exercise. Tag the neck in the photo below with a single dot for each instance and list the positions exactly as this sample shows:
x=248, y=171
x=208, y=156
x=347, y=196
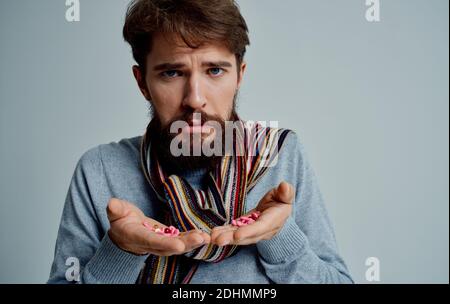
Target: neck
x=195, y=177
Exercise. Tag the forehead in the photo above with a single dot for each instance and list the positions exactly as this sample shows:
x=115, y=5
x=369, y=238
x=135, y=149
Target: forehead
x=170, y=47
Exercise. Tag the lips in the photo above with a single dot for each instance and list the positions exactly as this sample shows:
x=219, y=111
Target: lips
x=195, y=122
x=197, y=129
x=196, y=126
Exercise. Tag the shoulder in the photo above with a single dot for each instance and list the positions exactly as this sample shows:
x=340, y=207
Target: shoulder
x=287, y=164
x=111, y=170
x=120, y=153
x=291, y=149
x=292, y=159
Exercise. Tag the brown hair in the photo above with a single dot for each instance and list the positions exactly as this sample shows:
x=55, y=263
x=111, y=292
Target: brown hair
x=194, y=21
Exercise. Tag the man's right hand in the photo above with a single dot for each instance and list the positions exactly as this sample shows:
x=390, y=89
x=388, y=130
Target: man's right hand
x=128, y=233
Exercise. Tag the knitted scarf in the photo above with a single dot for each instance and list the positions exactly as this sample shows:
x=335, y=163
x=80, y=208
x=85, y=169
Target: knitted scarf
x=224, y=200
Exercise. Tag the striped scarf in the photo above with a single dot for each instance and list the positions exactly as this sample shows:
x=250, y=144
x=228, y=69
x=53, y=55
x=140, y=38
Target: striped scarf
x=224, y=200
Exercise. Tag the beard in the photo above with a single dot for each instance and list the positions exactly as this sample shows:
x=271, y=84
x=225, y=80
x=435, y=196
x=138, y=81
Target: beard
x=162, y=138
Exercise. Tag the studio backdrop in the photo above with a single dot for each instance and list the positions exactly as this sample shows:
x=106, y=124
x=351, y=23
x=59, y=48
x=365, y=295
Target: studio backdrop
x=363, y=83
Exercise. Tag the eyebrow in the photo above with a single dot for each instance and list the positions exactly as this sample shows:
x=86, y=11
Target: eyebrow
x=177, y=65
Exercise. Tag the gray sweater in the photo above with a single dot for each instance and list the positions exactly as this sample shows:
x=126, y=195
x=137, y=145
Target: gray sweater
x=304, y=251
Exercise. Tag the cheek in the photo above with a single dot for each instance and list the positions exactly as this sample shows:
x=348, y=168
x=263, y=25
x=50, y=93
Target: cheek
x=166, y=99
x=222, y=94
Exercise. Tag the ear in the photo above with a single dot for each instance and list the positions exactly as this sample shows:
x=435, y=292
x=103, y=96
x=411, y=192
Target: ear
x=140, y=79
x=241, y=73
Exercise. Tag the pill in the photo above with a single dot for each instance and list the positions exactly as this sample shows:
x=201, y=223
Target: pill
x=246, y=220
x=255, y=215
x=168, y=231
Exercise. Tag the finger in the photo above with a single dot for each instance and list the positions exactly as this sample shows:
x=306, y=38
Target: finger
x=224, y=238
x=256, y=229
x=219, y=230
x=224, y=235
x=190, y=239
x=237, y=237
x=254, y=240
x=284, y=193
x=193, y=239
x=206, y=237
x=116, y=209
x=155, y=241
x=253, y=230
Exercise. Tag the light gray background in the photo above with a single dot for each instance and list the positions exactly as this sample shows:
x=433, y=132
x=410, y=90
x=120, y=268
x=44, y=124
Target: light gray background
x=369, y=100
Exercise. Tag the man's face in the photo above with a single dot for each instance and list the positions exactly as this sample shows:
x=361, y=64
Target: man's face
x=180, y=79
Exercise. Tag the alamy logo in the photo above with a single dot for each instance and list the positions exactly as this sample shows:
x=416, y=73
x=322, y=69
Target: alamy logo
x=373, y=10
x=73, y=10
x=73, y=272
x=373, y=270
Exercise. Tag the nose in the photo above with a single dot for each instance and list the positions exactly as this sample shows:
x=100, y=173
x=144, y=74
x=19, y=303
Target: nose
x=194, y=97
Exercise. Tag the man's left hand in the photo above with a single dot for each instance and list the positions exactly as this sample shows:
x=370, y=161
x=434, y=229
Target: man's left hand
x=275, y=208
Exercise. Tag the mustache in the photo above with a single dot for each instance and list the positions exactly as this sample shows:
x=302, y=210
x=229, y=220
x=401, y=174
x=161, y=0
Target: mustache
x=188, y=117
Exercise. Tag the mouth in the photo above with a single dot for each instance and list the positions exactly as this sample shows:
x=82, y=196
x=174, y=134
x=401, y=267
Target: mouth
x=196, y=125
x=202, y=129
x=195, y=122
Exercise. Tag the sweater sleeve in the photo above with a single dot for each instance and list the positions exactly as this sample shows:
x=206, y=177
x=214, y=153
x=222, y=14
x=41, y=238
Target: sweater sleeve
x=83, y=252
x=305, y=249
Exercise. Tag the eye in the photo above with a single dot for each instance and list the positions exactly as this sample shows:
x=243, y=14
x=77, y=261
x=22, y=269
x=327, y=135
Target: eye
x=216, y=71
x=171, y=74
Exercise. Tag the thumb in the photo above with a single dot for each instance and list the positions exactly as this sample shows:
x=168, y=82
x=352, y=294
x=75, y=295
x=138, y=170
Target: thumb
x=116, y=209
x=284, y=193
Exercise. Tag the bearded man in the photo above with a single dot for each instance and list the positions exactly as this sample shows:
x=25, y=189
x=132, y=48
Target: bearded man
x=249, y=213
